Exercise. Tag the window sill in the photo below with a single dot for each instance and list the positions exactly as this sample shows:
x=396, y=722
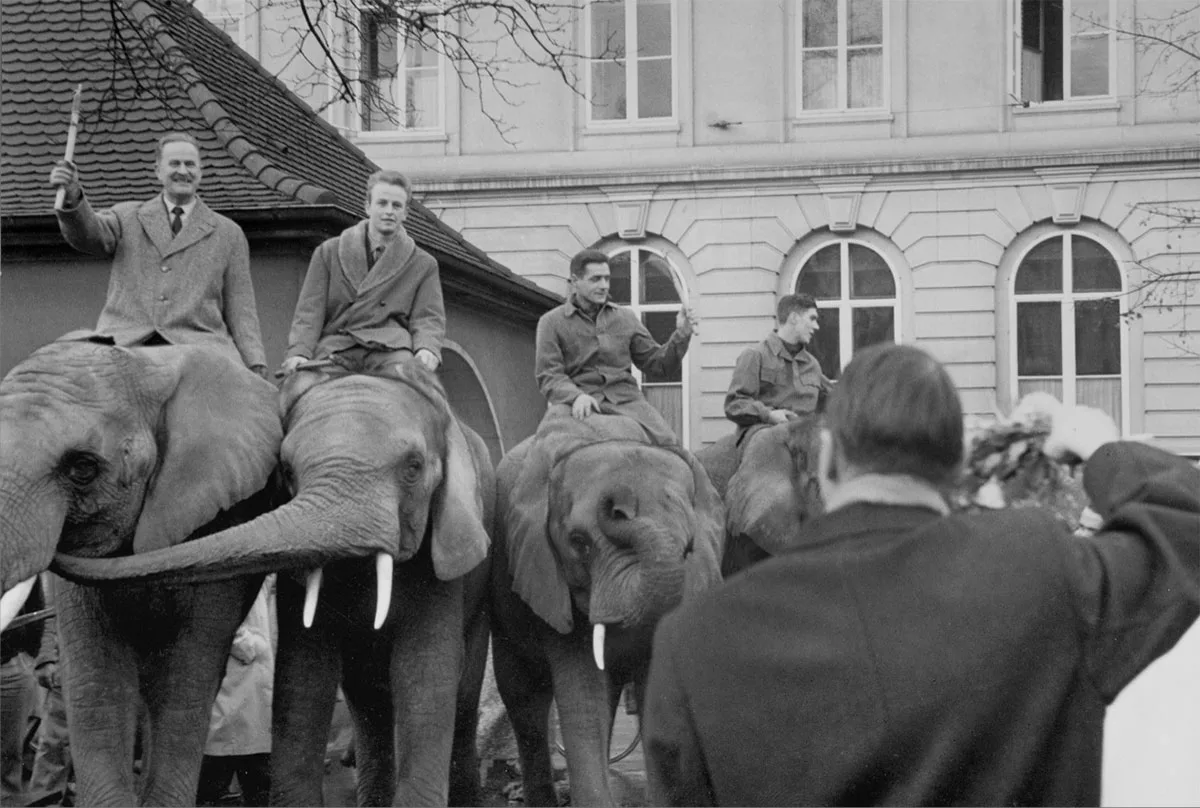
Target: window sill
x=1098, y=104
x=401, y=136
x=836, y=116
x=631, y=127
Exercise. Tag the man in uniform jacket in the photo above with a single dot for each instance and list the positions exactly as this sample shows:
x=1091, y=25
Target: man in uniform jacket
x=778, y=380
x=907, y=656
x=180, y=271
x=372, y=298
x=586, y=349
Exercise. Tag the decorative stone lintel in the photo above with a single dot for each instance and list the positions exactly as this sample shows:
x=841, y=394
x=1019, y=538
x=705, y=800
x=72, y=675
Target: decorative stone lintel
x=1067, y=187
x=630, y=208
x=842, y=200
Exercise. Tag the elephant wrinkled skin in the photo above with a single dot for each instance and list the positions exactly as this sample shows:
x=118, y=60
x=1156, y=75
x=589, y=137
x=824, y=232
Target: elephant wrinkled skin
x=110, y=451
x=395, y=446
x=595, y=527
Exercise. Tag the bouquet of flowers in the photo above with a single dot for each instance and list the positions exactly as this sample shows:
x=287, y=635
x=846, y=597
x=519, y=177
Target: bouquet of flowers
x=1006, y=468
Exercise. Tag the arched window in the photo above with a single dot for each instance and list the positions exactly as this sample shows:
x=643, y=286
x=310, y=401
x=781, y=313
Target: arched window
x=855, y=290
x=1068, y=317
x=645, y=281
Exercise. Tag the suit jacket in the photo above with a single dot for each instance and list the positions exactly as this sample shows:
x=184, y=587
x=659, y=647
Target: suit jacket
x=191, y=288
x=905, y=657
x=398, y=304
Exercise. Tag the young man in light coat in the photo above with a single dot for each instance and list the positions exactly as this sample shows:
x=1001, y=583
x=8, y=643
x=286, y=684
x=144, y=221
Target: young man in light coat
x=372, y=298
x=180, y=271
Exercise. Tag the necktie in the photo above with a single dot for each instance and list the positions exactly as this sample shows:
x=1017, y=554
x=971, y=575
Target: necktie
x=177, y=222
x=375, y=253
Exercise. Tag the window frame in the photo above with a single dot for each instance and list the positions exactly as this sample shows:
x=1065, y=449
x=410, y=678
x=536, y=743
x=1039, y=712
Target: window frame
x=242, y=29
x=616, y=248
x=1067, y=298
x=845, y=305
x=631, y=119
x=1015, y=50
x=842, y=108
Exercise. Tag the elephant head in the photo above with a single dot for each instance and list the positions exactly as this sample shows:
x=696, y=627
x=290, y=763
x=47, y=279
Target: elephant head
x=775, y=487
x=112, y=453
x=601, y=521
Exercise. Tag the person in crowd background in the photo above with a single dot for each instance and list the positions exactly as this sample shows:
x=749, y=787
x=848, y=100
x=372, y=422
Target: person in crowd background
x=180, y=271
x=239, y=733
x=778, y=380
x=18, y=696
x=52, y=771
x=587, y=347
x=372, y=298
x=904, y=655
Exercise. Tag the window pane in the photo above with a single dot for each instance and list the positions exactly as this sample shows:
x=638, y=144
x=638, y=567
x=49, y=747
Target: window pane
x=1039, y=339
x=820, y=80
x=654, y=27
x=1103, y=394
x=1097, y=337
x=654, y=88
x=821, y=276
x=826, y=343
x=661, y=324
x=668, y=400
x=618, y=282
x=608, y=91
x=866, y=22
x=1042, y=269
x=1089, y=65
x=422, y=100
x=421, y=51
x=1093, y=269
x=1088, y=15
x=1042, y=384
x=873, y=325
x=657, y=283
x=866, y=78
x=379, y=64
x=869, y=274
x=608, y=29
x=820, y=24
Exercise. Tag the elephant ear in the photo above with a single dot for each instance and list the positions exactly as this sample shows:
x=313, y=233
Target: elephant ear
x=703, y=569
x=218, y=442
x=538, y=578
x=460, y=540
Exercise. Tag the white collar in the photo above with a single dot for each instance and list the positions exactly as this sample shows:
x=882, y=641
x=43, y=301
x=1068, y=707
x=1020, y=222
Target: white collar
x=187, y=209
x=887, y=489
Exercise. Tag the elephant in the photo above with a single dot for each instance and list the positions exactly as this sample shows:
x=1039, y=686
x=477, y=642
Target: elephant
x=399, y=651
x=598, y=535
x=109, y=452
x=770, y=487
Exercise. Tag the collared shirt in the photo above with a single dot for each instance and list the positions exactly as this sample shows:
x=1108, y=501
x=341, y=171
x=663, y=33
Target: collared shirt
x=769, y=377
x=187, y=208
x=578, y=354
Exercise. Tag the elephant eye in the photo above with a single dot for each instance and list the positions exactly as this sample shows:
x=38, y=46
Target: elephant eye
x=411, y=467
x=81, y=469
x=581, y=545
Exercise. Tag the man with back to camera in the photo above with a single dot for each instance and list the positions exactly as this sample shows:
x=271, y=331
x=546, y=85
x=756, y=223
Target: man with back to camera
x=372, y=299
x=778, y=380
x=586, y=349
x=905, y=655
x=180, y=271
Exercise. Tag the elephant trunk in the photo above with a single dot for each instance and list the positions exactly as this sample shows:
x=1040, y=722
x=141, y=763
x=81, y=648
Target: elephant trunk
x=30, y=527
x=323, y=523
x=639, y=595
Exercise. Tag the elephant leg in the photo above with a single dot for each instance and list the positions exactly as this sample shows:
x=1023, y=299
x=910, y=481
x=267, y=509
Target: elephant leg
x=464, y=758
x=526, y=690
x=426, y=669
x=366, y=681
x=179, y=683
x=307, y=666
x=581, y=694
x=99, y=675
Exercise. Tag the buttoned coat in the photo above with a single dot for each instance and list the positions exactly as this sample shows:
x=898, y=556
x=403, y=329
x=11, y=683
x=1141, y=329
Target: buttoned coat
x=398, y=304
x=768, y=377
x=191, y=288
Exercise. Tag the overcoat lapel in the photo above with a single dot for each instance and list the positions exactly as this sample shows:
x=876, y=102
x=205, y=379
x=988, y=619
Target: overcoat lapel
x=153, y=217
x=392, y=262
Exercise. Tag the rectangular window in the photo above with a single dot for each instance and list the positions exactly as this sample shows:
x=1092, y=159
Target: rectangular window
x=841, y=54
x=632, y=74
x=1065, y=49
x=400, y=76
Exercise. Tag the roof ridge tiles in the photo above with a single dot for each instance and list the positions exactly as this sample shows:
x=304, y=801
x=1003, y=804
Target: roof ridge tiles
x=220, y=121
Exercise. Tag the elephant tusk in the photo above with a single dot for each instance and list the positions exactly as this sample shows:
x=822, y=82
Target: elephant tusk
x=383, y=587
x=13, y=600
x=312, y=590
x=598, y=644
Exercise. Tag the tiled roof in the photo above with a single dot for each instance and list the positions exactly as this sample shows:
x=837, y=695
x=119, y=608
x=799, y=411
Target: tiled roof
x=153, y=66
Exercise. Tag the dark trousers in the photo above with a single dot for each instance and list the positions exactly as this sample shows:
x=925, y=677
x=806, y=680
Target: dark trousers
x=216, y=773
